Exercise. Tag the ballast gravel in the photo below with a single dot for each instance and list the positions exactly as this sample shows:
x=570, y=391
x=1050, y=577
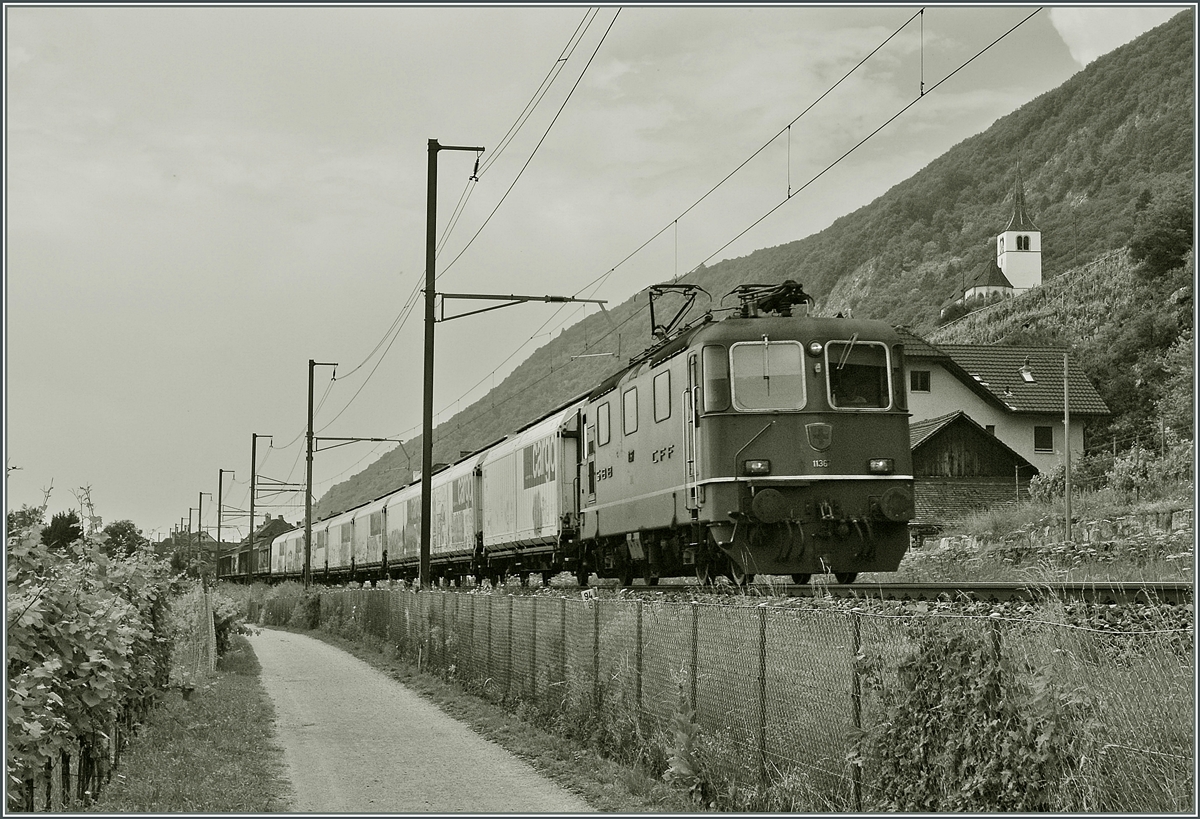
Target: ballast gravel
x=356, y=741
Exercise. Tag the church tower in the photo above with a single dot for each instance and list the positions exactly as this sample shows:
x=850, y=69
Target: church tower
x=1019, y=247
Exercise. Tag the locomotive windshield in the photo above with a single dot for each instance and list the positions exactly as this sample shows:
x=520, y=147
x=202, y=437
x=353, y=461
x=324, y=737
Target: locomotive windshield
x=858, y=374
x=768, y=375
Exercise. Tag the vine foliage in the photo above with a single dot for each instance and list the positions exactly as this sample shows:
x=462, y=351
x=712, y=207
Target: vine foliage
x=965, y=730
x=87, y=649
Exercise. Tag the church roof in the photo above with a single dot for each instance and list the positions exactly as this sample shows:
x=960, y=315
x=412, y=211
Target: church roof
x=990, y=276
x=1020, y=218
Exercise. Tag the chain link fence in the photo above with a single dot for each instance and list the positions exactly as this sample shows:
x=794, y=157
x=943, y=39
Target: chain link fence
x=771, y=707
x=195, y=653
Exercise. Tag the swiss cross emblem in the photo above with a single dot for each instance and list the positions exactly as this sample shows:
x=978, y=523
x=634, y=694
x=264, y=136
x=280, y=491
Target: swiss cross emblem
x=820, y=436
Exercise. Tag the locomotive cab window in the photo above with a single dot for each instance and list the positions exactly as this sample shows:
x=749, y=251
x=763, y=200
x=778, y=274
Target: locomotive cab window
x=858, y=374
x=767, y=375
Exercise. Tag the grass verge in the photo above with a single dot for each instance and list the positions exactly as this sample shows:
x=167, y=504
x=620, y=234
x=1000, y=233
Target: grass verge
x=211, y=753
x=608, y=786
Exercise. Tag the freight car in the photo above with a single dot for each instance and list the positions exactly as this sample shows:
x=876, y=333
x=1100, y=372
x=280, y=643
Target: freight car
x=761, y=443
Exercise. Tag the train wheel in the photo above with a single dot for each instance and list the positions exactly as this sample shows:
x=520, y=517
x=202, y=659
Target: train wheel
x=801, y=579
x=627, y=574
x=740, y=577
x=703, y=574
x=582, y=573
x=845, y=578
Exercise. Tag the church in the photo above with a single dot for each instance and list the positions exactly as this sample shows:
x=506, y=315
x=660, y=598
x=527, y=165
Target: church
x=1017, y=264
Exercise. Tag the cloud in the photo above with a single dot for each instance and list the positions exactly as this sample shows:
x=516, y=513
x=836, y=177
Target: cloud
x=1092, y=32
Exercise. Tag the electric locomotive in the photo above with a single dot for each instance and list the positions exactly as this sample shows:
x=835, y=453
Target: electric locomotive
x=763, y=443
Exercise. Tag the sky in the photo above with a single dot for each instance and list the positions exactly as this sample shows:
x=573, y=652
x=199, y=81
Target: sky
x=200, y=200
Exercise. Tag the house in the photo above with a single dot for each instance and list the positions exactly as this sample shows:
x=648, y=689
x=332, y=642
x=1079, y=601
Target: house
x=959, y=467
x=1013, y=393
x=236, y=559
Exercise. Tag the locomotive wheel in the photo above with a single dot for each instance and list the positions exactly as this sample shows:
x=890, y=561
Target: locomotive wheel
x=582, y=573
x=801, y=579
x=648, y=574
x=703, y=574
x=845, y=578
x=627, y=573
x=738, y=575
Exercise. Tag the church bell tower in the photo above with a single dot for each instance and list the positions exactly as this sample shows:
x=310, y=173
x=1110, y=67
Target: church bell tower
x=1019, y=247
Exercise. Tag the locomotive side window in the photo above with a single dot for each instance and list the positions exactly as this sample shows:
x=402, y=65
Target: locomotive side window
x=858, y=374
x=662, y=396
x=768, y=375
x=630, y=414
x=716, y=379
x=603, y=433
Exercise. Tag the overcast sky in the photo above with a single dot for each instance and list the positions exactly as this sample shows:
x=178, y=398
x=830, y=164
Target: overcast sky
x=200, y=200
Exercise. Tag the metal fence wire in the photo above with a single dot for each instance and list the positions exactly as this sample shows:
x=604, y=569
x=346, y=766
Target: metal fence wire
x=764, y=697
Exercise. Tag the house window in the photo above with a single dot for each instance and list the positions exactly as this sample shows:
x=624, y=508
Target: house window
x=662, y=396
x=630, y=414
x=1043, y=439
x=918, y=381
x=603, y=432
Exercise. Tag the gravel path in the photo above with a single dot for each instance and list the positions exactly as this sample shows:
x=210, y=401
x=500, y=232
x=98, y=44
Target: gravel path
x=357, y=741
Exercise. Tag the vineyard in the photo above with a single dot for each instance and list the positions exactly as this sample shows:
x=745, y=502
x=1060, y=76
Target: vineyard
x=94, y=640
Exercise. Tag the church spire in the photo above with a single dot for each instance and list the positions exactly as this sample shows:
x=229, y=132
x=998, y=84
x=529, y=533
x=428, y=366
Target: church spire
x=1020, y=218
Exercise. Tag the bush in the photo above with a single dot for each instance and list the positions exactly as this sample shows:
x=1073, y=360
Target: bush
x=964, y=731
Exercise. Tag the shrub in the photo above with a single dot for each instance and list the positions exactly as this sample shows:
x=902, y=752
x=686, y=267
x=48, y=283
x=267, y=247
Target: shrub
x=964, y=731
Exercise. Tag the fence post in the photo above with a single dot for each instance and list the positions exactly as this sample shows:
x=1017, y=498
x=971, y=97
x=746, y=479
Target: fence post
x=596, y=652
x=639, y=660
x=533, y=650
x=509, y=667
x=856, y=702
x=695, y=664
x=762, y=694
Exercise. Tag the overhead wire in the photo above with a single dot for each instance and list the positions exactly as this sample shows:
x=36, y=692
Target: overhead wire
x=393, y=331
x=600, y=279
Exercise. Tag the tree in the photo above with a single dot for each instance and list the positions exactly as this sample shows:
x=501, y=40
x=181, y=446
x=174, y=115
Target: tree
x=64, y=529
x=25, y=518
x=124, y=538
x=1163, y=235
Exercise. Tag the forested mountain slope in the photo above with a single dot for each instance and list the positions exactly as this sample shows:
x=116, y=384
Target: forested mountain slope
x=1106, y=160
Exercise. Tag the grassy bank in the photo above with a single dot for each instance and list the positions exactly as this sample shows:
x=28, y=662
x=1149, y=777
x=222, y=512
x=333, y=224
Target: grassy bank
x=211, y=753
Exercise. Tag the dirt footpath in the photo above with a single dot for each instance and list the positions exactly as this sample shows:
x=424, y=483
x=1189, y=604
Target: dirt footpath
x=357, y=741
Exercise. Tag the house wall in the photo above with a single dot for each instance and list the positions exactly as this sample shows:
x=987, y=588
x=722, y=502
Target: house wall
x=948, y=394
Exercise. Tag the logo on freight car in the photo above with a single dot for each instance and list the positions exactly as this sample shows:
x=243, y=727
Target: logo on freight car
x=539, y=462
x=464, y=493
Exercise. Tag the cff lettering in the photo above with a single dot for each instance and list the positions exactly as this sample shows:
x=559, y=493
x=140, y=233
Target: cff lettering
x=538, y=459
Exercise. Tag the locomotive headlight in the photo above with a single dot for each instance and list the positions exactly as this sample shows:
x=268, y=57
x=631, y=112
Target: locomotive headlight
x=815, y=348
x=881, y=466
x=756, y=466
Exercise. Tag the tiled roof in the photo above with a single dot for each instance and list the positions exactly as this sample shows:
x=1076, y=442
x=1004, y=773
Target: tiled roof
x=921, y=431
x=1026, y=379
x=915, y=346
x=990, y=276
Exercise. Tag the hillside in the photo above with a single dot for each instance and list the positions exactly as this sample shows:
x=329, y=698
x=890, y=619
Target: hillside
x=1094, y=154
